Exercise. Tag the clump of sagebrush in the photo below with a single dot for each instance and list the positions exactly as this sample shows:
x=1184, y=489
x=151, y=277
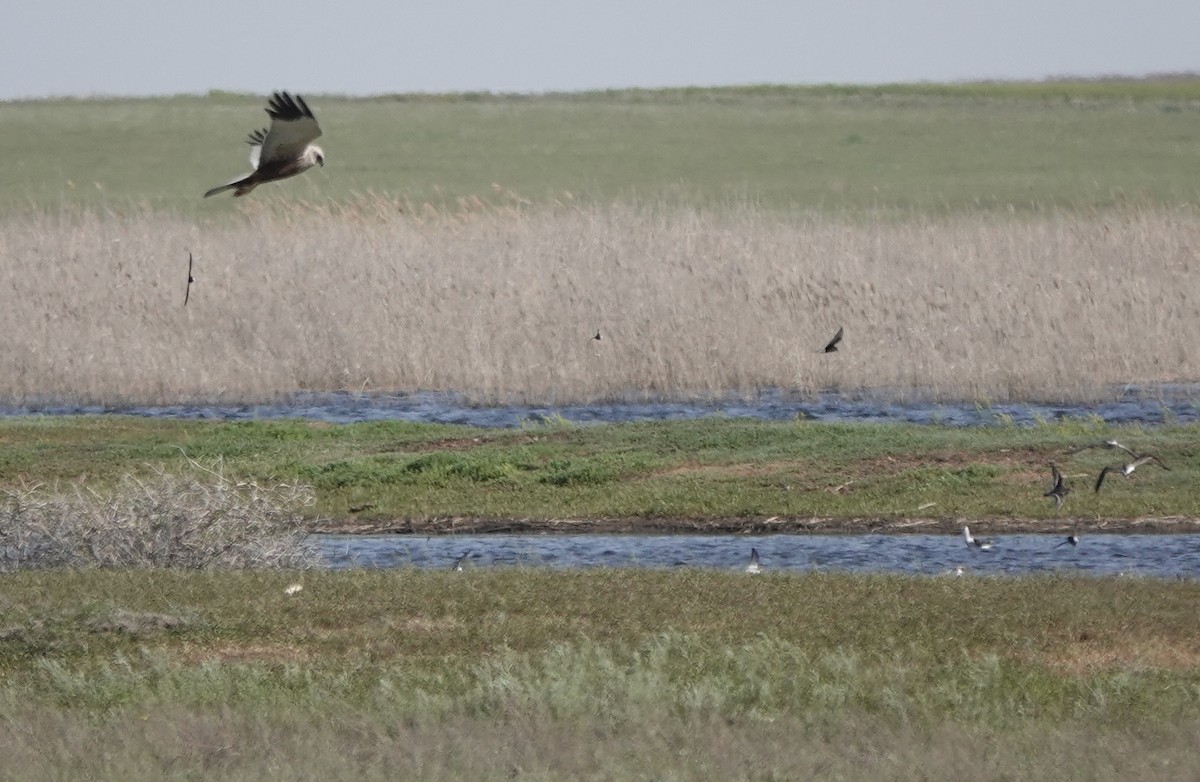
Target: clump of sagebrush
x=200, y=520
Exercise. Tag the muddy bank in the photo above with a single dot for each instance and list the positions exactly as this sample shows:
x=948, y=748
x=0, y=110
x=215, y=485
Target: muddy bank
x=759, y=526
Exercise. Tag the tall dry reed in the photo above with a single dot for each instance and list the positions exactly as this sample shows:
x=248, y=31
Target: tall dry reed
x=504, y=303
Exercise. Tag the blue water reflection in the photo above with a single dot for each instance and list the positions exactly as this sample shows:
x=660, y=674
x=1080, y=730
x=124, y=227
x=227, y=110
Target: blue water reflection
x=1161, y=556
x=1128, y=405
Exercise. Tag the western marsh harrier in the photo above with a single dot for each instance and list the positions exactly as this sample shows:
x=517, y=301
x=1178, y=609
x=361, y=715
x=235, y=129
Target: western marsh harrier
x=284, y=150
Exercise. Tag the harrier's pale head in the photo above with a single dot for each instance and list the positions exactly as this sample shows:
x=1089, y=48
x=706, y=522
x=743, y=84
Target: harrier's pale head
x=283, y=150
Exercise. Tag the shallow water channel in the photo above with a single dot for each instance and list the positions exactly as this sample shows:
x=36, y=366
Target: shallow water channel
x=1127, y=405
x=1158, y=556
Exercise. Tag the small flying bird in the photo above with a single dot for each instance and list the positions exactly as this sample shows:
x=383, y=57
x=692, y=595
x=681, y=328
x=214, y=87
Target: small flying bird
x=284, y=150
x=1128, y=468
x=1107, y=444
x=597, y=337
x=983, y=544
x=191, y=279
x=833, y=343
x=458, y=563
x=1072, y=540
x=1059, y=490
x=754, y=566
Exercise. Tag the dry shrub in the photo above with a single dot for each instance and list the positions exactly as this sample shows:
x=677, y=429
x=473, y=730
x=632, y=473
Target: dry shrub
x=204, y=520
x=500, y=302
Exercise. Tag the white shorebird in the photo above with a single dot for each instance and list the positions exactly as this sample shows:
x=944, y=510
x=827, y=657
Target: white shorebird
x=983, y=544
x=1059, y=490
x=754, y=566
x=458, y=563
x=1128, y=468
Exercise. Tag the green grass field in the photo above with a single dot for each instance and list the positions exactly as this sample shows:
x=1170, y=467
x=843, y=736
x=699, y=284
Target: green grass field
x=701, y=471
x=910, y=148
x=603, y=674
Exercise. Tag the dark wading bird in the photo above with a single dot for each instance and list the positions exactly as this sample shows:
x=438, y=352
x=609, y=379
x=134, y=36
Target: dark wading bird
x=1128, y=468
x=187, y=293
x=833, y=343
x=1059, y=490
x=281, y=151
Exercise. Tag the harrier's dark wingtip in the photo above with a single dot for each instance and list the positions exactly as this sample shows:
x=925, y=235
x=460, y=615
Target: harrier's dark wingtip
x=283, y=106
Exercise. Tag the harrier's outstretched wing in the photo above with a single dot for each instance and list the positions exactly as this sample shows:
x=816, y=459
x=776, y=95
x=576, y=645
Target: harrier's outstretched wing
x=293, y=128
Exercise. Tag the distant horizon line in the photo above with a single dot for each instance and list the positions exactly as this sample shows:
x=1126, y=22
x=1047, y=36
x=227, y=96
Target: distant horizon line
x=1048, y=81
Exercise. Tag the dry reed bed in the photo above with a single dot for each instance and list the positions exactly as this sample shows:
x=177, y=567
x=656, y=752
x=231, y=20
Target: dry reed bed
x=503, y=303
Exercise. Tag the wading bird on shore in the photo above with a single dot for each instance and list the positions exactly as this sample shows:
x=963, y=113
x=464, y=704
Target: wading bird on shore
x=983, y=544
x=1058, y=490
x=1128, y=468
x=754, y=566
x=831, y=347
x=281, y=151
x=187, y=293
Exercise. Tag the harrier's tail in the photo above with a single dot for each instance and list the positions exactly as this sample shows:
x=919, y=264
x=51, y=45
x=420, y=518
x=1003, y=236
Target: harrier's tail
x=221, y=189
x=238, y=183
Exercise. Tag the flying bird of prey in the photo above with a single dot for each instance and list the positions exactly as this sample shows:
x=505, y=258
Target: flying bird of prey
x=283, y=150
x=458, y=563
x=755, y=566
x=833, y=343
x=1059, y=490
x=1128, y=468
x=187, y=293
x=597, y=337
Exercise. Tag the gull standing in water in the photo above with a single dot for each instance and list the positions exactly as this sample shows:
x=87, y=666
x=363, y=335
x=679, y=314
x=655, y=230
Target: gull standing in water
x=1128, y=468
x=983, y=544
x=1059, y=490
x=754, y=566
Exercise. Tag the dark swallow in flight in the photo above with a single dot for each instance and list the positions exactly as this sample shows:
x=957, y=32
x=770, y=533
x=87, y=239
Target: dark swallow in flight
x=833, y=343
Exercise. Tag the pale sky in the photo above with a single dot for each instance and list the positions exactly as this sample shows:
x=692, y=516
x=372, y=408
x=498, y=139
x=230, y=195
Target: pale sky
x=155, y=47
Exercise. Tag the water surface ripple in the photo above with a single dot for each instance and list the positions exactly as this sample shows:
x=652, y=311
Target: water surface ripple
x=1159, y=556
x=1128, y=405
